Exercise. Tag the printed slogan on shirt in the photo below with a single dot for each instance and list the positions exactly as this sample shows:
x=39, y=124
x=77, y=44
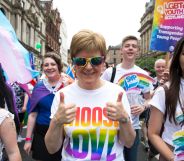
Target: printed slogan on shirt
x=94, y=128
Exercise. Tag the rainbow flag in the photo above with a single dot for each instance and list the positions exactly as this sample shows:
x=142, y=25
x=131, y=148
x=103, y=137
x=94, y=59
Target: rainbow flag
x=13, y=56
x=178, y=142
x=168, y=24
x=135, y=81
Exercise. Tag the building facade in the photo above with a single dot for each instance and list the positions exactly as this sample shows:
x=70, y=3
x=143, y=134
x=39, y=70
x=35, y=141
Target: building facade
x=56, y=33
x=114, y=55
x=64, y=48
x=27, y=19
x=53, y=24
x=146, y=28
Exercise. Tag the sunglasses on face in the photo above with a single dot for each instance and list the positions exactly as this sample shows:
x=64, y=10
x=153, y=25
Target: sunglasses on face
x=82, y=62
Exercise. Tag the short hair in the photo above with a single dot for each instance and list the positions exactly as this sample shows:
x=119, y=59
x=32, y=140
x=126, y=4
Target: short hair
x=55, y=57
x=87, y=40
x=130, y=37
x=158, y=61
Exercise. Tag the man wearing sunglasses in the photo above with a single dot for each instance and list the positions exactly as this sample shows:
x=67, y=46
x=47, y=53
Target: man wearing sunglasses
x=126, y=75
x=91, y=117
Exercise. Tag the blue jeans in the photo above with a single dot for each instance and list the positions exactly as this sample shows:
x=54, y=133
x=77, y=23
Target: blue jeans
x=131, y=153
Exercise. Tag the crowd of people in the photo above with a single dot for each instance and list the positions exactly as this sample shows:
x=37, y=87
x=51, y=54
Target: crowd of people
x=97, y=115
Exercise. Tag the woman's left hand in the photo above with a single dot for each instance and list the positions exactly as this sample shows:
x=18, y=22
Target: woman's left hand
x=116, y=111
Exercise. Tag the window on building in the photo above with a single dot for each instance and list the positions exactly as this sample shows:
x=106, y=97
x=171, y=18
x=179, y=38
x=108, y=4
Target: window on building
x=13, y=20
x=35, y=36
x=114, y=60
x=3, y=11
x=41, y=49
x=28, y=34
x=22, y=29
x=41, y=26
x=23, y=4
x=149, y=36
x=142, y=46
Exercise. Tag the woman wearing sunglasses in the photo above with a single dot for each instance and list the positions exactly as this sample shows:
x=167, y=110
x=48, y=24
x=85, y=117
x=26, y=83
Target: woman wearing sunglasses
x=91, y=117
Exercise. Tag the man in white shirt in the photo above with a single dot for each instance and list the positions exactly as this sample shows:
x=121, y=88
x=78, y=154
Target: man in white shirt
x=159, y=67
x=128, y=75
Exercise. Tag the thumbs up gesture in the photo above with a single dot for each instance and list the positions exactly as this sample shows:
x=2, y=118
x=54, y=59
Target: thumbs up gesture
x=65, y=113
x=116, y=111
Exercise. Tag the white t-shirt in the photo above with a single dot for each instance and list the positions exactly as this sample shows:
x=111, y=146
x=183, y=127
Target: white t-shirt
x=132, y=81
x=158, y=101
x=91, y=136
x=3, y=115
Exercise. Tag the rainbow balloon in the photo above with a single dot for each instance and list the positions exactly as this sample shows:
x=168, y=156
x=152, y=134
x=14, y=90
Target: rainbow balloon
x=135, y=81
x=178, y=142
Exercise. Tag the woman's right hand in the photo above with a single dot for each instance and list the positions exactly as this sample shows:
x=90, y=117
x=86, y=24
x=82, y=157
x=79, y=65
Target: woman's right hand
x=27, y=147
x=65, y=113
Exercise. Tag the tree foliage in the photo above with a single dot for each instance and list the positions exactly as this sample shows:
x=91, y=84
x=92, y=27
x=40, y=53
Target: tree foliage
x=148, y=63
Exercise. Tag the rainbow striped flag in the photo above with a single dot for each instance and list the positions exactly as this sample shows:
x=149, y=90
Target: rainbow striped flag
x=14, y=58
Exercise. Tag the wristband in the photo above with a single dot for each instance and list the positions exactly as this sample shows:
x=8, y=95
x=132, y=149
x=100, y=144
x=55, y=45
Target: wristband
x=28, y=139
x=124, y=120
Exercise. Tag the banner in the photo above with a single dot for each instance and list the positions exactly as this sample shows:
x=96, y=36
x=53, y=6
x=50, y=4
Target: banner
x=168, y=24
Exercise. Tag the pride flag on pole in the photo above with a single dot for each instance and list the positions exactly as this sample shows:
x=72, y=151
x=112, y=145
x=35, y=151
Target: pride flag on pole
x=168, y=24
x=13, y=56
x=70, y=72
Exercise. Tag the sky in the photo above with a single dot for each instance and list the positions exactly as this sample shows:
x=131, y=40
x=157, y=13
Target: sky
x=114, y=19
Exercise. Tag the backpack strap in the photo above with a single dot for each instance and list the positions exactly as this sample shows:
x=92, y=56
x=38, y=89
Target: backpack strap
x=113, y=74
